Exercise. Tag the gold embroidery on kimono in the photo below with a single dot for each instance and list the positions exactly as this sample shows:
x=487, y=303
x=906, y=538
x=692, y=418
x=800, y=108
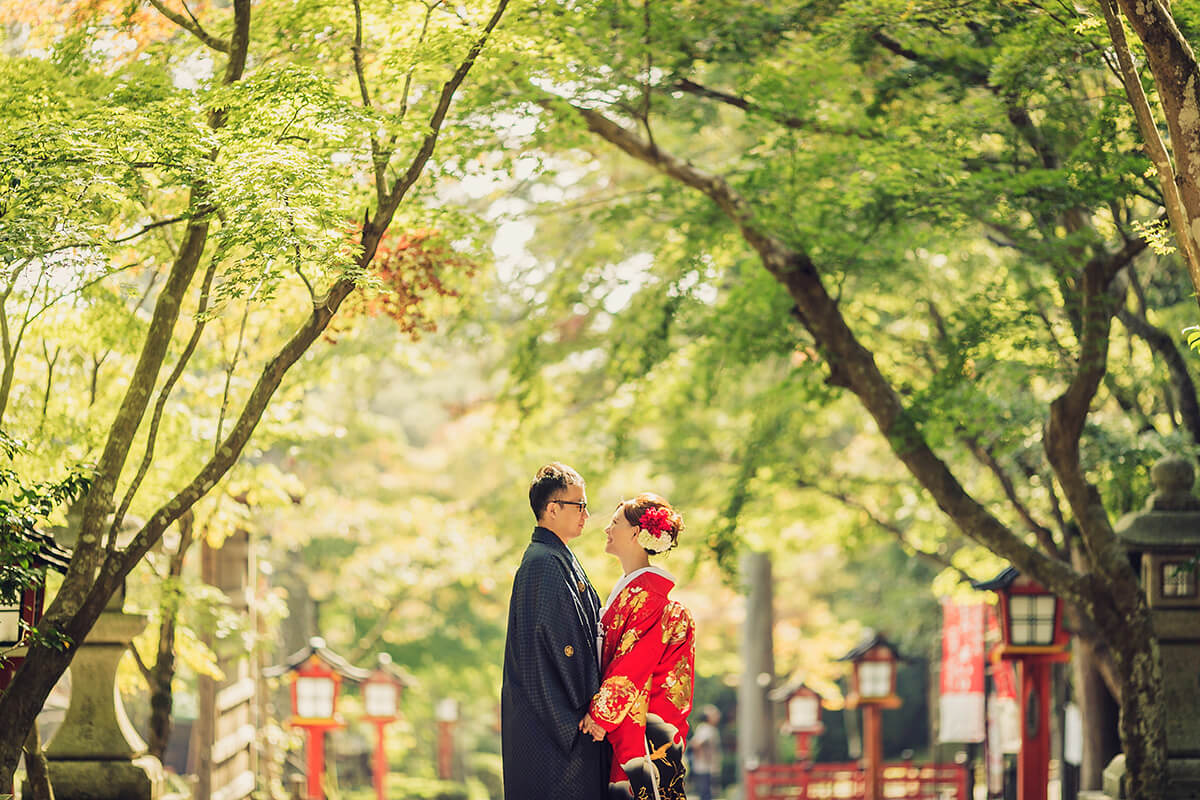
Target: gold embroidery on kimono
x=614, y=700
x=675, y=624
x=678, y=684
x=641, y=705
x=632, y=599
x=627, y=642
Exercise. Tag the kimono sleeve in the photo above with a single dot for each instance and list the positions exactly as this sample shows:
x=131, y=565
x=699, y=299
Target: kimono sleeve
x=555, y=670
x=625, y=689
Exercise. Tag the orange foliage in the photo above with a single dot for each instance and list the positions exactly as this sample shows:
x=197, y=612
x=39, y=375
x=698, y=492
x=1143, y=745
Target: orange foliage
x=48, y=20
x=408, y=269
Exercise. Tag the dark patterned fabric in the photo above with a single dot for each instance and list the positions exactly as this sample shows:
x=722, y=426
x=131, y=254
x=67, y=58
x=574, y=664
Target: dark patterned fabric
x=551, y=671
x=668, y=768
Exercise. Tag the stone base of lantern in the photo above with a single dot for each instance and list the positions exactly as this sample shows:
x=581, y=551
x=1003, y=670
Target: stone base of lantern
x=140, y=778
x=1183, y=780
x=96, y=754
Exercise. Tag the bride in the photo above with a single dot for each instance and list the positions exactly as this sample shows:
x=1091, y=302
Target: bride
x=647, y=658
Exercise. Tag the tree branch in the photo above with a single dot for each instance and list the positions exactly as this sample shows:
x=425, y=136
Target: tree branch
x=142, y=666
x=1069, y=411
x=1155, y=148
x=192, y=26
x=230, y=448
x=400, y=189
x=1044, y=535
x=231, y=367
x=98, y=502
x=851, y=364
x=378, y=159
x=1162, y=343
x=408, y=77
x=149, y=227
x=787, y=120
x=160, y=405
x=895, y=530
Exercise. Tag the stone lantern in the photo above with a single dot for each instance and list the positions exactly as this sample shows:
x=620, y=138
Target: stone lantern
x=96, y=753
x=1163, y=542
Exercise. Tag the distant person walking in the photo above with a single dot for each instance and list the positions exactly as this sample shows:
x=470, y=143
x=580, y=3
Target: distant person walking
x=551, y=662
x=649, y=656
x=705, y=751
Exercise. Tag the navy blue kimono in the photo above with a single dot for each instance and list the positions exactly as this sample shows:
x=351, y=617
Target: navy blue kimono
x=551, y=671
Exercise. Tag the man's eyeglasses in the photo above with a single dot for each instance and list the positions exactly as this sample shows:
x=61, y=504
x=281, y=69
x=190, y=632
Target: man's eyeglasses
x=582, y=506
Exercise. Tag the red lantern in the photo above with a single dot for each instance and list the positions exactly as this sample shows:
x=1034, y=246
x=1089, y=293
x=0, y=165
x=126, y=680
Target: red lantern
x=316, y=675
x=381, y=705
x=24, y=613
x=803, y=715
x=1031, y=627
x=1030, y=616
x=873, y=688
x=873, y=681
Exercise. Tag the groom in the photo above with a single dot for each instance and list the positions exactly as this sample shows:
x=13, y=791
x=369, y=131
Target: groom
x=551, y=667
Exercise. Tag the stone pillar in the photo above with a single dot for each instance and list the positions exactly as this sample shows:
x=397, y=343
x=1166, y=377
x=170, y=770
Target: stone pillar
x=756, y=731
x=1162, y=540
x=96, y=754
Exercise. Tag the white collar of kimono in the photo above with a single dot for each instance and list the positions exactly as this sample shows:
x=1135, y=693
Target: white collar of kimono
x=628, y=579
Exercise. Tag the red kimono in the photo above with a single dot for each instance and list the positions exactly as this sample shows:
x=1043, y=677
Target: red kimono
x=648, y=661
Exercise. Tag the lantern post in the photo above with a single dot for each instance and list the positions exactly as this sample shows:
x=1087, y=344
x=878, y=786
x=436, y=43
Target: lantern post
x=316, y=674
x=1033, y=637
x=446, y=714
x=381, y=706
x=873, y=688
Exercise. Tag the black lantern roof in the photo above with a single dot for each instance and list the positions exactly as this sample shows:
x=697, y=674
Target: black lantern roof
x=316, y=647
x=46, y=554
x=781, y=693
x=999, y=583
x=50, y=555
x=867, y=645
x=397, y=673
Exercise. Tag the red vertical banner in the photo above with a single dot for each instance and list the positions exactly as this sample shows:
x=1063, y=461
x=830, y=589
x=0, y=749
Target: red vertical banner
x=961, y=703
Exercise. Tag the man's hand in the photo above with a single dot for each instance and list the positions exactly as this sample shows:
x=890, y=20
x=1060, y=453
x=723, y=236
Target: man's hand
x=591, y=728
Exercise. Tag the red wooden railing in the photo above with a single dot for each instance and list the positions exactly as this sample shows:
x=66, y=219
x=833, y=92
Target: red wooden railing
x=902, y=781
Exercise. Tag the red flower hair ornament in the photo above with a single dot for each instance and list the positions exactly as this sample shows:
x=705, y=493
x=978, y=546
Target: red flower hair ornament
x=655, y=535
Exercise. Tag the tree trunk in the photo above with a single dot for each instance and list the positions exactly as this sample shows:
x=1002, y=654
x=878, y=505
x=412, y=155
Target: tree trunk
x=1099, y=712
x=162, y=674
x=37, y=772
x=1143, y=704
x=1177, y=79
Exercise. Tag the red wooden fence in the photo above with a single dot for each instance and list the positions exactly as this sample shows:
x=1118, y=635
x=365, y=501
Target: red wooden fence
x=902, y=781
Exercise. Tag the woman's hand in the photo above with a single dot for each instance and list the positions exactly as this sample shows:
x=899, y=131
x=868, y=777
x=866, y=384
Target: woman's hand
x=591, y=728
